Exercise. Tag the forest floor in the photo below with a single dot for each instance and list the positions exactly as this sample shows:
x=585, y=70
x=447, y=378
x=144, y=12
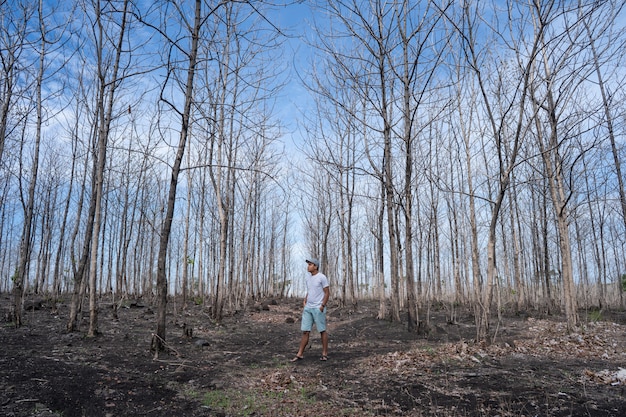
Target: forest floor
x=241, y=367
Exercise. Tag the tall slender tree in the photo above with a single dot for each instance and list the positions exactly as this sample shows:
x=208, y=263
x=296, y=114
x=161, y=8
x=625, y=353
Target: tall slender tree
x=193, y=28
x=105, y=105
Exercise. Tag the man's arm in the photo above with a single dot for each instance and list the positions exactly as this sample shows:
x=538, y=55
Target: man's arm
x=326, y=297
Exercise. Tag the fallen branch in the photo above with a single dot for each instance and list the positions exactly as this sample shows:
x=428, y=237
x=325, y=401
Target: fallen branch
x=169, y=348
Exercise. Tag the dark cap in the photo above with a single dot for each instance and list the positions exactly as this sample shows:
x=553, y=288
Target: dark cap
x=314, y=262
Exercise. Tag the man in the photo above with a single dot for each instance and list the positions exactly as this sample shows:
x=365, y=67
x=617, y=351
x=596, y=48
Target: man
x=314, y=311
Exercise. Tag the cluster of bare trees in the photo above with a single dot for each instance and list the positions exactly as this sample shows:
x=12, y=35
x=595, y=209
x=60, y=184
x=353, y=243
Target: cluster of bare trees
x=133, y=102
x=459, y=152
x=480, y=141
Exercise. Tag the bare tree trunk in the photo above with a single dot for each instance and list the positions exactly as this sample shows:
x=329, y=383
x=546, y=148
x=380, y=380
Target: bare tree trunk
x=158, y=342
x=407, y=137
x=466, y=126
x=187, y=259
x=79, y=270
x=128, y=228
x=518, y=283
x=201, y=236
x=607, y=105
x=28, y=205
x=26, y=240
x=105, y=112
x=56, y=275
x=217, y=305
x=284, y=254
x=380, y=253
x=559, y=200
x=598, y=252
x=47, y=226
x=231, y=235
x=545, y=264
x=390, y=204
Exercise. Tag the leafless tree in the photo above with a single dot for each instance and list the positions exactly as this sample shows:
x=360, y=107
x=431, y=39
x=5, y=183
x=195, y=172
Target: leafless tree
x=45, y=38
x=504, y=126
x=105, y=104
x=192, y=28
x=422, y=49
x=562, y=69
x=28, y=202
x=605, y=43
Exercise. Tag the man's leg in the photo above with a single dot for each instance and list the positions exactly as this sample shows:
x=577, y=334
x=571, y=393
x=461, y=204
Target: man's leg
x=303, y=342
x=306, y=327
x=320, y=322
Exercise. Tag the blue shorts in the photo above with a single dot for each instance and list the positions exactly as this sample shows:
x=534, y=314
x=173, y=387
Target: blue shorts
x=311, y=316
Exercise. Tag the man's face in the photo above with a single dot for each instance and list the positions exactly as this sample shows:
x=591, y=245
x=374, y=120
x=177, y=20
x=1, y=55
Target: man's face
x=310, y=267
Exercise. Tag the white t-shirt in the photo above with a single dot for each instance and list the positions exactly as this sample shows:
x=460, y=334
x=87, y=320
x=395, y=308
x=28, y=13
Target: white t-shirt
x=315, y=285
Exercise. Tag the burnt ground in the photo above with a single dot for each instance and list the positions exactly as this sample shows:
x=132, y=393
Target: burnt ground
x=241, y=366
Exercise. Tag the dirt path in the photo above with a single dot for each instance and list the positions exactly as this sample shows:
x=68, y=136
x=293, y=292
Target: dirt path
x=241, y=367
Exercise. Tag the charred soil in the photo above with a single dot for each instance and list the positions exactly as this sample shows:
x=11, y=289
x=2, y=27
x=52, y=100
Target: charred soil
x=241, y=366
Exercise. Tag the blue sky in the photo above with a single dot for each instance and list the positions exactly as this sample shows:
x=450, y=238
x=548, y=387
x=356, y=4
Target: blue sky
x=294, y=18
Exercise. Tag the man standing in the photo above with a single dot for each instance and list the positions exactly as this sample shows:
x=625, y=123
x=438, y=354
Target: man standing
x=314, y=311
